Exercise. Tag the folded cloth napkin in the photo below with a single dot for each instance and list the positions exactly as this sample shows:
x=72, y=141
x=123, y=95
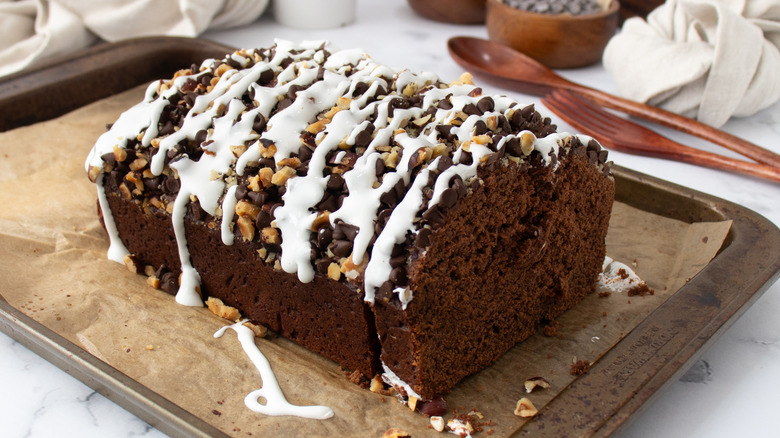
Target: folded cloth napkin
x=36, y=29
x=705, y=59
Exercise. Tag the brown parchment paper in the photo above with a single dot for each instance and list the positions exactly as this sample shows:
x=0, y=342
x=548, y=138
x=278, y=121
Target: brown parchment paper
x=54, y=269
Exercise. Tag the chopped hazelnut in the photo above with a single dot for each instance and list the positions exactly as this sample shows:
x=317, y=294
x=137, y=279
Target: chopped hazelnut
x=246, y=226
x=131, y=263
x=437, y=423
x=260, y=331
x=119, y=154
x=293, y=162
x=396, y=433
x=248, y=209
x=282, y=175
x=376, y=385
x=412, y=402
x=527, y=142
x=270, y=235
x=535, y=382
x=525, y=408
x=334, y=271
x=138, y=164
x=153, y=281
x=265, y=174
x=217, y=307
x=238, y=150
x=464, y=79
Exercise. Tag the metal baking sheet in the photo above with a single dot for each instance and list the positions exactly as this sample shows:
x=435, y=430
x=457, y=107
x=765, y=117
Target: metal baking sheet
x=598, y=403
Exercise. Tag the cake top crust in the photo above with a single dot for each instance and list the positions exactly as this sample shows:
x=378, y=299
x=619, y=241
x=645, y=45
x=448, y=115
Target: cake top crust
x=324, y=156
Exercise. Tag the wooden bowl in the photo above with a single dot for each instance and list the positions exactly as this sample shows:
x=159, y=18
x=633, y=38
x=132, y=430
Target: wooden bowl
x=557, y=41
x=451, y=11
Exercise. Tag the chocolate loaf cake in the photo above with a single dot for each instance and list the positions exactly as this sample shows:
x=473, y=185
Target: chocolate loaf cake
x=394, y=223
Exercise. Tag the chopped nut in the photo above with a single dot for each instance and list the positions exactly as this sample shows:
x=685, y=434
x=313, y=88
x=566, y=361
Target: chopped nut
x=527, y=142
x=270, y=235
x=318, y=126
x=265, y=174
x=464, y=79
x=396, y=433
x=293, y=162
x=131, y=263
x=437, y=423
x=525, y=408
x=260, y=331
x=352, y=270
x=267, y=151
x=376, y=385
x=535, y=382
x=138, y=164
x=119, y=154
x=222, y=69
x=246, y=226
x=182, y=72
x=282, y=175
x=439, y=150
x=238, y=150
x=149, y=270
x=125, y=191
x=334, y=272
x=217, y=307
x=94, y=173
x=321, y=220
x=412, y=402
x=481, y=139
x=153, y=281
x=248, y=209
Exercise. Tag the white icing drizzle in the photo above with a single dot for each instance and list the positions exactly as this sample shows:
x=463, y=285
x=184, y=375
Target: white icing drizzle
x=617, y=277
x=116, y=249
x=276, y=404
x=392, y=379
x=228, y=123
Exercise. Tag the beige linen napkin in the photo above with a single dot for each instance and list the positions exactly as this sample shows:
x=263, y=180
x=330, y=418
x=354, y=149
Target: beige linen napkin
x=33, y=30
x=705, y=59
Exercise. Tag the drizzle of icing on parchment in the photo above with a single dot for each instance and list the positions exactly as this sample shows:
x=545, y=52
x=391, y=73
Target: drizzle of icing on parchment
x=276, y=404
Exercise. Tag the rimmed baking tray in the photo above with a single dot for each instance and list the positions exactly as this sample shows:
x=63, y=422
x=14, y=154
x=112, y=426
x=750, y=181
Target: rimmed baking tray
x=598, y=403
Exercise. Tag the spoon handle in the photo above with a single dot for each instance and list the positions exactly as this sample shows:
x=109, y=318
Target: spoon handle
x=681, y=123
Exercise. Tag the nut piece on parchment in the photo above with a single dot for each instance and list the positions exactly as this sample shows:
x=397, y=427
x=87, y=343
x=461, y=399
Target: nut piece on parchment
x=535, y=382
x=525, y=408
x=396, y=433
x=217, y=307
x=437, y=423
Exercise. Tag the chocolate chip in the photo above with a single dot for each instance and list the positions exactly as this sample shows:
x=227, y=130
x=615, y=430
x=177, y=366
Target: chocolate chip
x=433, y=407
x=241, y=191
x=385, y=291
x=341, y=248
x=445, y=162
x=171, y=185
x=448, y=198
x=398, y=276
x=324, y=237
x=322, y=266
x=260, y=123
x=169, y=282
x=258, y=198
x=379, y=167
x=344, y=230
x=263, y=219
x=335, y=182
x=445, y=104
x=486, y=104
x=423, y=237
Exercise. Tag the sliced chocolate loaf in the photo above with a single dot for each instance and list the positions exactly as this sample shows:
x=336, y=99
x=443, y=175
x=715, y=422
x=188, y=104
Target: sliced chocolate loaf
x=394, y=223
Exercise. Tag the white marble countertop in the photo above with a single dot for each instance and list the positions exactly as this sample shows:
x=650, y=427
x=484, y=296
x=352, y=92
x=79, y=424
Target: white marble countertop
x=733, y=390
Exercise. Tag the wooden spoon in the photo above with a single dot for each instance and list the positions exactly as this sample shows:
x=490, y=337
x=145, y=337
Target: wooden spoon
x=508, y=68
